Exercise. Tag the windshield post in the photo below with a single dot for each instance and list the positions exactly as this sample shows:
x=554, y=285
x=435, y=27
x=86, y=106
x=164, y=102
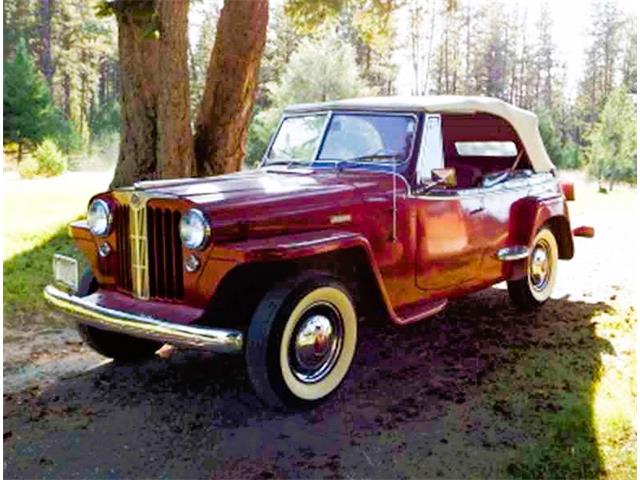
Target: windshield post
x=323, y=137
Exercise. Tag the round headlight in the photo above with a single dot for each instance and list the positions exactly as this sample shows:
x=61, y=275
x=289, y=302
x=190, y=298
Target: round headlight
x=99, y=217
x=194, y=229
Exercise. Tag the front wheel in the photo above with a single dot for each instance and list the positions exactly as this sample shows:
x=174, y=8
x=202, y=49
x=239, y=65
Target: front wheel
x=535, y=288
x=301, y=341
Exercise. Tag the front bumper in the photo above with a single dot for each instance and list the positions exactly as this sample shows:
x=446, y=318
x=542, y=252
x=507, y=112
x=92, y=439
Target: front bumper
x=88, y=312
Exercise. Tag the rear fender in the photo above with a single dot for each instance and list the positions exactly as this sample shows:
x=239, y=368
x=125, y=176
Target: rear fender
x=525, y=219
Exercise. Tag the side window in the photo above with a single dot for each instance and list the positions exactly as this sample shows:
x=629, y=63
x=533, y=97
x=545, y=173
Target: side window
x=431, y=152
x=486, y=149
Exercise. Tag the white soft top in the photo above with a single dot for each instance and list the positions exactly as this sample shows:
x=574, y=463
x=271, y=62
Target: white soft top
x=524, y=122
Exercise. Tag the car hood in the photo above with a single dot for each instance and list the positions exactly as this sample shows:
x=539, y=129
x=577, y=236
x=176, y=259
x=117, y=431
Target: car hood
x=254, y=186
x=265, y=202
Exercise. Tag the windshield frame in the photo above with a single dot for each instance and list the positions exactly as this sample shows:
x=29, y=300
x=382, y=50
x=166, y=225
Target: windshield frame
x=315, y=162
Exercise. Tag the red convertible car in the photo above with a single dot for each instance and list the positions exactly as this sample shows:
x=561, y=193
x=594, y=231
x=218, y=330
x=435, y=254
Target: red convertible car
x=359, y=207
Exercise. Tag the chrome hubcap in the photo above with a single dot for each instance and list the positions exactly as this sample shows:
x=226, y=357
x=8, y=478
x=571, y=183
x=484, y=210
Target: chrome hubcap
x=540, y=267
x=316, y=343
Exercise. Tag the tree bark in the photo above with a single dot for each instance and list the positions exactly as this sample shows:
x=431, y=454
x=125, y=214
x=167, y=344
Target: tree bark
x=232, y=77
x=155, y=137
x=174, y=149
x=46, y=65
x=138, y=97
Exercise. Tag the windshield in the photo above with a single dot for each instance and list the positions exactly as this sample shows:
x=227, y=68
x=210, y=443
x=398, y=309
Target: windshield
x=355, y=137
x=368, y=137
x=297, y=139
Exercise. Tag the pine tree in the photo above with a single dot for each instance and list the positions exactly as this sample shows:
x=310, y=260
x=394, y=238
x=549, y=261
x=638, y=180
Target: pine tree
x=29, y=114
x=601, y=58
x=545, y=61
x=311, y=78
x=630, y=58
x=612, y=147
x=19, y=22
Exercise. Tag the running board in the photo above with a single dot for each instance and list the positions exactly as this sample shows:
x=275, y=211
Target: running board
x=416, y=312
x=515, y=252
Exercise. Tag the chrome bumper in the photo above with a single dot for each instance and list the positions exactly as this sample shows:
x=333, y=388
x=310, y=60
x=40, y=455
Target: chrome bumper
x=206, y=338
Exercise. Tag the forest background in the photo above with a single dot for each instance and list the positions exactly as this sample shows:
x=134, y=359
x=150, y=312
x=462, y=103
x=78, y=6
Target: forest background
x=62, y=78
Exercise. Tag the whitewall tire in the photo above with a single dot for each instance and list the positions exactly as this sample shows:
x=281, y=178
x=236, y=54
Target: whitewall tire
x=301, y=341
x=536, y=287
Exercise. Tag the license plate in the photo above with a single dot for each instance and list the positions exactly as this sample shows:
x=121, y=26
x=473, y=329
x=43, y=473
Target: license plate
x=65, y=271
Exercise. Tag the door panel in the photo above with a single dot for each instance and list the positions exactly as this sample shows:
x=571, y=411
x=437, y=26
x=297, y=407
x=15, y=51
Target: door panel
x=448, y=250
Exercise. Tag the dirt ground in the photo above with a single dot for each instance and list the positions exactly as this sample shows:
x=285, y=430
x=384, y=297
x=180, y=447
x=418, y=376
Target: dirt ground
x=404, y=410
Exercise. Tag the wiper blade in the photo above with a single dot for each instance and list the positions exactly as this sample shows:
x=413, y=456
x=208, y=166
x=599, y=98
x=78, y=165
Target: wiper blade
x=287, y=163
x=375, y=156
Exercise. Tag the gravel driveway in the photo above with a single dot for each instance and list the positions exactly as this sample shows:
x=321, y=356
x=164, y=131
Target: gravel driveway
x=402, y=412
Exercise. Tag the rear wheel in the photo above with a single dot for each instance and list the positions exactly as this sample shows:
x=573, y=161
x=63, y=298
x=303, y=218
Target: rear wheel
x=534, y=290
x=301, y=341
x=110, y=344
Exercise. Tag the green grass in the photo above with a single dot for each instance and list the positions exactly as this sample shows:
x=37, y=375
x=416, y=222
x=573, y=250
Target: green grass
x=560, y=405
x=36, y=215
x=579, y=414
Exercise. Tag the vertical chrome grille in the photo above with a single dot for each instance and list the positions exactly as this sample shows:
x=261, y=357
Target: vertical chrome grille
x=149, y=250
x=139, y=252
x=165, y=253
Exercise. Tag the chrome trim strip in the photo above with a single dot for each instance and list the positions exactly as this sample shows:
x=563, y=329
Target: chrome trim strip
x=516, y=252
x=219, y=340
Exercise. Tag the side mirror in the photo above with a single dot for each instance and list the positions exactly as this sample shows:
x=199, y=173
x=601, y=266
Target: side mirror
x=444, y=176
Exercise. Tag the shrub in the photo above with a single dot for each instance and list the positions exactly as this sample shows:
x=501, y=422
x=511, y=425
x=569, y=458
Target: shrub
x=28, y=167
x=571, y=157
x=550, y=138
x=51, y=161
x=611, y=149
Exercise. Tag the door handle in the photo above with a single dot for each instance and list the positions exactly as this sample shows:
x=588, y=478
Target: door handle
x=476, y=210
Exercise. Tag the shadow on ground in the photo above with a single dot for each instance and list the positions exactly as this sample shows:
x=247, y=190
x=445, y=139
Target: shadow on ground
x=448, y=397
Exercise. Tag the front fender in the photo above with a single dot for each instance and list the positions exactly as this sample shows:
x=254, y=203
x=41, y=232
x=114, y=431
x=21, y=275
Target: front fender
x=290, y=247
x=298, y=246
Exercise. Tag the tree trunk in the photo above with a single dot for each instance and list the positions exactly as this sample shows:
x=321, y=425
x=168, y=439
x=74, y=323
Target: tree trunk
x=175, y=141
x=138, y=98
x=232, y=78
x=46, y=65
x=155, y=137
x=66, y=87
